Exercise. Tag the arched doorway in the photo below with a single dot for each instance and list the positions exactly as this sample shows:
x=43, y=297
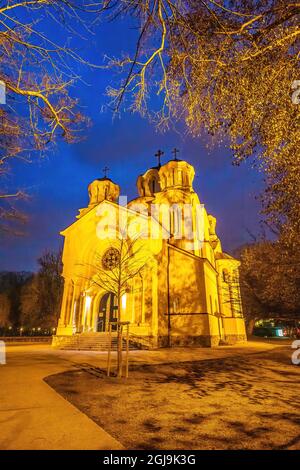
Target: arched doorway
x=108, y=311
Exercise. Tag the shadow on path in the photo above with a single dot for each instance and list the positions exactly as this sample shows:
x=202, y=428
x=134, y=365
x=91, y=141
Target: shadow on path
x=248, y=402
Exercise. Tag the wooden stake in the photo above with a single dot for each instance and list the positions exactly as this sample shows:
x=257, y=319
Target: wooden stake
x=120, y=350
x=109, y=351
x=127, y=350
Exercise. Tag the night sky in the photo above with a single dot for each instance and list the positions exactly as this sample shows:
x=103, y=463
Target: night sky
x=58, y=184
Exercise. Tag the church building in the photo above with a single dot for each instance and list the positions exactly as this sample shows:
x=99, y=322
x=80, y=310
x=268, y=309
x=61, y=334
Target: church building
x=183, y=291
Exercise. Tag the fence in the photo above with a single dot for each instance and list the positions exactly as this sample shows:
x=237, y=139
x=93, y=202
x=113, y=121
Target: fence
x=26, y=339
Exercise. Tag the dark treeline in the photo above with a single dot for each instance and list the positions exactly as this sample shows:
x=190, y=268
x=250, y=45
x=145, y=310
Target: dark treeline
x=270, y=280
x=31, y=301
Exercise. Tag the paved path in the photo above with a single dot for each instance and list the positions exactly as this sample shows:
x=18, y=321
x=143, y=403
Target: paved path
x=34, y=416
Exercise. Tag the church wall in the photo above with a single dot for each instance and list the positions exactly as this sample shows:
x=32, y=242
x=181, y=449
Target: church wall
x=234, y=329
x=135, y=306
x=142, y=308
x=225, y=297
x=212, y=299
x=162, y=295
x=76, y=270
x=188, y=322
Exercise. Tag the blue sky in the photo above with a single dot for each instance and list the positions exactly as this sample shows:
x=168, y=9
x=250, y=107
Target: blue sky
x=58, y=184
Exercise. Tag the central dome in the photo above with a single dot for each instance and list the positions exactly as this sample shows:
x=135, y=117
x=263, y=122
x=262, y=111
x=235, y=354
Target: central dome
x=176, y=174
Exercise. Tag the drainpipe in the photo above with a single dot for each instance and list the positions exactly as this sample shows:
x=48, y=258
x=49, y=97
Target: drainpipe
x=168, y=290
x=220, y=300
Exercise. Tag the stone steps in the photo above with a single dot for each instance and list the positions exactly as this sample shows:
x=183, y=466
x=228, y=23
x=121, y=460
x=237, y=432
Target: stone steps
x=91, y=342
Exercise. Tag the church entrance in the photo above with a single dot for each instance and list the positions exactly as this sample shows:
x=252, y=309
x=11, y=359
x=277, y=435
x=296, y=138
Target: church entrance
x=108, y=311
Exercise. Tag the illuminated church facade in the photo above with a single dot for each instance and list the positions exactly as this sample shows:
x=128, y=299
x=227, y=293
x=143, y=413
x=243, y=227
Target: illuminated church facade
x=186, y=294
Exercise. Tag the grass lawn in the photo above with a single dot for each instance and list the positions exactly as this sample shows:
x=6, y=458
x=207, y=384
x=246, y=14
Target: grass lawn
x=240, y=402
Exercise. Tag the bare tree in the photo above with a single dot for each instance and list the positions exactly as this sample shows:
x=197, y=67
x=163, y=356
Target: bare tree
x=270, y=279
x=228, y=68
x=41, y=295
x=4, y=309
x=38, y=73
x=115, y=270
x=219, y=65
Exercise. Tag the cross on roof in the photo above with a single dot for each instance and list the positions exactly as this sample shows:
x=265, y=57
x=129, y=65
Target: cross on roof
x=175, y=151
x=159, y=154
x=105, y=170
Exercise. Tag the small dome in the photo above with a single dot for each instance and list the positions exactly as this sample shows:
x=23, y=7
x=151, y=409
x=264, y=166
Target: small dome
x=103, y=189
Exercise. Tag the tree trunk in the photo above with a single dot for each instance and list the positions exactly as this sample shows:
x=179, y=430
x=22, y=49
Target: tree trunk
x=119, y=340
x=250, y=326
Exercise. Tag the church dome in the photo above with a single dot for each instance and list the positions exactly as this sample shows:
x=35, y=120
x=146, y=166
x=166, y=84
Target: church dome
x=103, y=189
x=176, y=174
x=148, y=183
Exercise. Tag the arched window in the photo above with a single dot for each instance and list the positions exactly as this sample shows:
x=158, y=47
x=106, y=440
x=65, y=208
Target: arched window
x=181, y=177
x=177, y=228
x=154, y=185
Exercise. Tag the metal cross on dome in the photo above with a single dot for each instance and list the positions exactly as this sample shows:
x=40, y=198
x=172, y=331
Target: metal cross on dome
x=105, y=170
x=159, y=154
x=174, y=152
